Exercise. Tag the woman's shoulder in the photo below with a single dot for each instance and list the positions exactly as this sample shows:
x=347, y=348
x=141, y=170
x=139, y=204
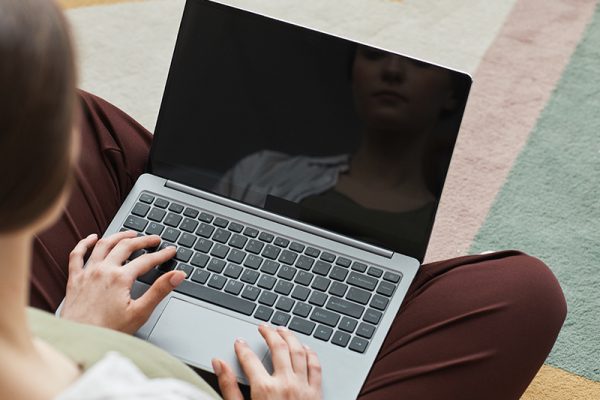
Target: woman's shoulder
x=86, y=345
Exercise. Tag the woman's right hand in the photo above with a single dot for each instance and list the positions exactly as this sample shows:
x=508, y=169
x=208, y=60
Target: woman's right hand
x=296, y=369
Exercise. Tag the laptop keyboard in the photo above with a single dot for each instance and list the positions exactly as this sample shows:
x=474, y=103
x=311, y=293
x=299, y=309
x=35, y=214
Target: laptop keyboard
x=268, y=277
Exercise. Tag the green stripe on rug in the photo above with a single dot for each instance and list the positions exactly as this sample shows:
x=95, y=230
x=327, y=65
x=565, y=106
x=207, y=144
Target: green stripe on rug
x=550, y=205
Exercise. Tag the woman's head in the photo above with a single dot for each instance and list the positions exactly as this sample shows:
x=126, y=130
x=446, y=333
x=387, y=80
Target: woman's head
x=37, y=103
x=396, y=93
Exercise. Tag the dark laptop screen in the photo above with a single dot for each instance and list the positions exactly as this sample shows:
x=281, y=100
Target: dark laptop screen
x=340, y=135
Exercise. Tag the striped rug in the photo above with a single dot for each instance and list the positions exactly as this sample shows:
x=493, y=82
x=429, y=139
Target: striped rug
x=526, y=170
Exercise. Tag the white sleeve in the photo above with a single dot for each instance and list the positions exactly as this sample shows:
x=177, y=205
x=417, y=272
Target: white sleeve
x=117, y=378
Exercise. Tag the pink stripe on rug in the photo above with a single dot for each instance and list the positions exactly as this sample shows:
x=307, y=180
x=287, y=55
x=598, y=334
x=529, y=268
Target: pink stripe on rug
x=511, y=87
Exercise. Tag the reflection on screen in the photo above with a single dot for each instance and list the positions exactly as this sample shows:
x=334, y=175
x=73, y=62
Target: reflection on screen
x=344, y=136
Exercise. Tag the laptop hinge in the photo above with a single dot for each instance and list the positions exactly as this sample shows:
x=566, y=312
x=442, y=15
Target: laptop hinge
x=280, y=219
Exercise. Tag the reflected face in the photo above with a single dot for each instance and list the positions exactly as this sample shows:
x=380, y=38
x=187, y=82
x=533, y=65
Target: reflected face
x=393, y=92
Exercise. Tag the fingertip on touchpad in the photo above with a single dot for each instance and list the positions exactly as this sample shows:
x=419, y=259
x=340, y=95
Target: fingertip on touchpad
x=196, y=335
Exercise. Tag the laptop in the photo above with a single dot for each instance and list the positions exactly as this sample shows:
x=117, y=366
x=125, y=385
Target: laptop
x=298, y=174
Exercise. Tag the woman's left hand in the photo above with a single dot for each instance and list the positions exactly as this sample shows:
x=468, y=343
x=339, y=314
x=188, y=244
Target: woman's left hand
x=100, y=293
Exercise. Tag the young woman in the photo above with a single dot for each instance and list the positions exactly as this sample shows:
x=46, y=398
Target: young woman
x=473, y=327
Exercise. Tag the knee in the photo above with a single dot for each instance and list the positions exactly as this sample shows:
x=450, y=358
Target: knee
x=534, y=291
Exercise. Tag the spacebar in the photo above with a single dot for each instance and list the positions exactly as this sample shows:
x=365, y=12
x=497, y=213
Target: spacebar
x=215, y=297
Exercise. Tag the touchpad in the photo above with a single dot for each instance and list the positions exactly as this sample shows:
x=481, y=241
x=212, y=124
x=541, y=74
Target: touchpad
x=196, y=335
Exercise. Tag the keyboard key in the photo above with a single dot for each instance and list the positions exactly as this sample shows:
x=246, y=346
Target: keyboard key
x=266, y=282
x=150, y=277
x=221, y=222
x=173, y=220
x=186, y=240
x=238, y=241
x=176, y=208
x=267, y=298
x=300, y=293
x=205, y=230
x=167, y=266
x=199, y=260
x=270, y=267
x=135, y=223
x=183, y=254
x=339, y=274
x=358, y=266
x=146, y=198
x=321, y=268
x=171, y=234
x=358, y=295
x=251, y=292
x=365, y=330
x=200, y=276
x=216, y=297
x=321, y=283
x=251, y=232
x=205, y=217
x=340, y=339
x=254, y=246
x=327, y=257
x=154, y=228
x=188, y=269
x=283, y=287
x=189, y=225
x=217, y=281
x=325, y=317
x=297, y=247
x=203, y=245
x=338, y=289
x=311, y=251
x=286, y=272
x=235, y=227
x=302, y=326
x=233, y=271
x=191, y=212
x=392, y=277
x=379, y=302
x=236, y=256
x=317, y=298
x=343, y=262
x=253, y=261
x=323, y=332
x=216, y=265
x=271, y=252
x=284, y=304
x=250, y=276
x=221, y=236
x=219, y=250
x=348, y=324
x=266, y=237
x=161, y=203
x=288, y=257
x=263, y=313
x=234, y=287
x=305, y=263
x=302, y=309
x=140, y=209
x=157, y=214
x=359, y=345
x=362, y=281
x=304, y=278
x=345, y=307
x=374, y=271
x=281, y=242
x=280, y=318
x=386, y=288
x=372, y=316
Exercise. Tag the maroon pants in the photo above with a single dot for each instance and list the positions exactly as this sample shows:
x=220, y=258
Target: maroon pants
x=475, y=327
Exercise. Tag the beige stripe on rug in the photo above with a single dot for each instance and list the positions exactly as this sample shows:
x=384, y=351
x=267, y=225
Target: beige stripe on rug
x=511, y=87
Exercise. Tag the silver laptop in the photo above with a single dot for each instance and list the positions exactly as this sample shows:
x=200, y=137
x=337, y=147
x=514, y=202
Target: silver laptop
x=298, y=174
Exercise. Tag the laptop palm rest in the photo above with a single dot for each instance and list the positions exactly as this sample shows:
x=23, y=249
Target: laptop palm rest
x=196, y=335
